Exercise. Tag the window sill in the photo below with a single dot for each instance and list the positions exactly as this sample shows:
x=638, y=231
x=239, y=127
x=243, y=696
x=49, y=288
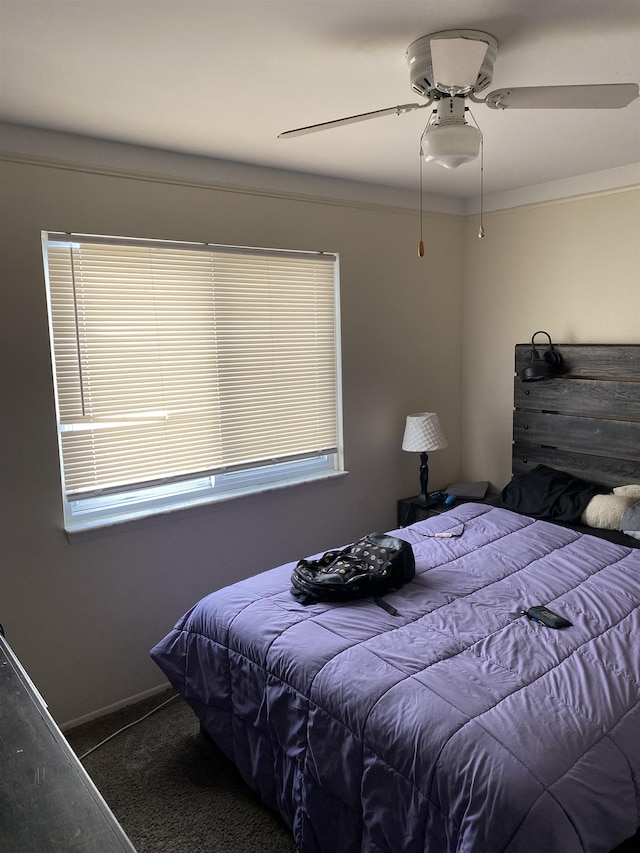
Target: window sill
x=82, y=531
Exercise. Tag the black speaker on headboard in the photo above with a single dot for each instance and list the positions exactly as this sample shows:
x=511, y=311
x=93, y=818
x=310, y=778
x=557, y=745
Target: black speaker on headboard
x=543, y=366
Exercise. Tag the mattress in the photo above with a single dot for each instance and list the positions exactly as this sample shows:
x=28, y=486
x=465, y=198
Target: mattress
x=457, y=724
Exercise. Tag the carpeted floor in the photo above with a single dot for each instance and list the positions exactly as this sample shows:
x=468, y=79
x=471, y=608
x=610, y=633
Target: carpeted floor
x=171, y=789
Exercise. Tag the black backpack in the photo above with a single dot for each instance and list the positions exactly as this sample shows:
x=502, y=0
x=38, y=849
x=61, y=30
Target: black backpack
x=372, y=566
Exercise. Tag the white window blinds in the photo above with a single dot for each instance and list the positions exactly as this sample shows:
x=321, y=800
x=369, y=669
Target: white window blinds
x=173, y=361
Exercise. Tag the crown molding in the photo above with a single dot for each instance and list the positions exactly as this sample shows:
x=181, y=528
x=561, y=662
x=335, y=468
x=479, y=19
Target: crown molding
x=596, y=183
x=82, y=153
x=48, y=147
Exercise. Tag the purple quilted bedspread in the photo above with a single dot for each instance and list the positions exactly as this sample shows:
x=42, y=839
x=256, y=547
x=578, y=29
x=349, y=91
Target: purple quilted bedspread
x=457, y=725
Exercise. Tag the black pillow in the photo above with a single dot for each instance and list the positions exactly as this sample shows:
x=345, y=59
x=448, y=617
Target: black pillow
x=544, y=492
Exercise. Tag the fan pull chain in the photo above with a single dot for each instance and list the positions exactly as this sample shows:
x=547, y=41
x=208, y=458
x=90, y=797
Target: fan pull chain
x=421, y=243
x=481, y=229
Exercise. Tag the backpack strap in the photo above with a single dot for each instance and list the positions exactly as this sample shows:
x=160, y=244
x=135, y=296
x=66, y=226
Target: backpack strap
x=385, y=605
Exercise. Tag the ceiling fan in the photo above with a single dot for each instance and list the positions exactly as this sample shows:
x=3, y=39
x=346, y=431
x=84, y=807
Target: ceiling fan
x=449, y=67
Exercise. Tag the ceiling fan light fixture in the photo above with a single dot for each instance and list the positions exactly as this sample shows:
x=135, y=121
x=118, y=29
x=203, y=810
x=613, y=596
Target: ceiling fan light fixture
x=451, y=145
x=456, y=63
x=451, y=61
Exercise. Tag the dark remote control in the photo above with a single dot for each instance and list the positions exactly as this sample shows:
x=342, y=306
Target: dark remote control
x=547, y=617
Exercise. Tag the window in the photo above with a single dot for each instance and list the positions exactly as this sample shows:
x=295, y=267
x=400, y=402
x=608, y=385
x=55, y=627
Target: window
x=187, y=372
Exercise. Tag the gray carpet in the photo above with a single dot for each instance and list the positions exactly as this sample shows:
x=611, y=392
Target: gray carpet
x=171, y=789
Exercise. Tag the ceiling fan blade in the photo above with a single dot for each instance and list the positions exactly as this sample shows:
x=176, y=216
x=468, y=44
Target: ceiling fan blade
x=326, y=125
x=606, y=96
x=456, y=63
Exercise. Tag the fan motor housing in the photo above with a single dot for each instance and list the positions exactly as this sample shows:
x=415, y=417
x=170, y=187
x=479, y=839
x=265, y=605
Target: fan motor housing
x=420, y=64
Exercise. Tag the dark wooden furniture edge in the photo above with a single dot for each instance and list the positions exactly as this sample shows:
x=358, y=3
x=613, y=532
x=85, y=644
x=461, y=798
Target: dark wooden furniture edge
x=49, y=800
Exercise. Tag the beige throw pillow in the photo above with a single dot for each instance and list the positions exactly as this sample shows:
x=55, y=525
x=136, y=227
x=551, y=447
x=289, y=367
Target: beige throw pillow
x=606, y=511
x=632, y=490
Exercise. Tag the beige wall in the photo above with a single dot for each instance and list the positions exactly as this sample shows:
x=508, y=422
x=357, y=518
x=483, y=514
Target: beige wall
x=571, y=268
x=83, y=616
x=435, y=334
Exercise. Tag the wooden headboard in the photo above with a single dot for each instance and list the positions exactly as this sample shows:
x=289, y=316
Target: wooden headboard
x=585, y=421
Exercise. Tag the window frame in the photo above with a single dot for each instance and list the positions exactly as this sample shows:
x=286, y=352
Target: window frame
x=113, y=506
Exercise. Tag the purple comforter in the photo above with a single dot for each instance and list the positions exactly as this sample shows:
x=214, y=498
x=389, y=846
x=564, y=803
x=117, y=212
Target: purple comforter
x=457, y=725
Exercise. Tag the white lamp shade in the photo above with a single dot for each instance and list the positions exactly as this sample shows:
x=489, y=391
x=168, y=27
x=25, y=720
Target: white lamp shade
x=451, y=145
x=423, y=433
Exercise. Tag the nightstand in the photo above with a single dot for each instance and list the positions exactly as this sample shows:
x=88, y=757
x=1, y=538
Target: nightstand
x=416, y=508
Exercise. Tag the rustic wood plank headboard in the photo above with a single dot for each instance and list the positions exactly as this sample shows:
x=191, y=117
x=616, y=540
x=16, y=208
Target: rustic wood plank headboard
x=585, y=421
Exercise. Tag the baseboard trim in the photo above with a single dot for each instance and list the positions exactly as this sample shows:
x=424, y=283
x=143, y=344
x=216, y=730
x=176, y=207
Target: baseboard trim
x=109, y=709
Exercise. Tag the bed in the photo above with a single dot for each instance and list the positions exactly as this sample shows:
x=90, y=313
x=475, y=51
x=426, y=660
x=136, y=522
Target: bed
x=457, y=724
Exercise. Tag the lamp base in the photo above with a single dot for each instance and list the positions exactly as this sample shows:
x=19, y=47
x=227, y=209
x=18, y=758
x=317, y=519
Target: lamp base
x=424, y=476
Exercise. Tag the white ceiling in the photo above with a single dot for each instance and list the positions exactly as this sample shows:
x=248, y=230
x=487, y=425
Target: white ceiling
x=222, y=79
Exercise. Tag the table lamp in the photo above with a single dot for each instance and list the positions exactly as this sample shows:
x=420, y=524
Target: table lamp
x=423, y=434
